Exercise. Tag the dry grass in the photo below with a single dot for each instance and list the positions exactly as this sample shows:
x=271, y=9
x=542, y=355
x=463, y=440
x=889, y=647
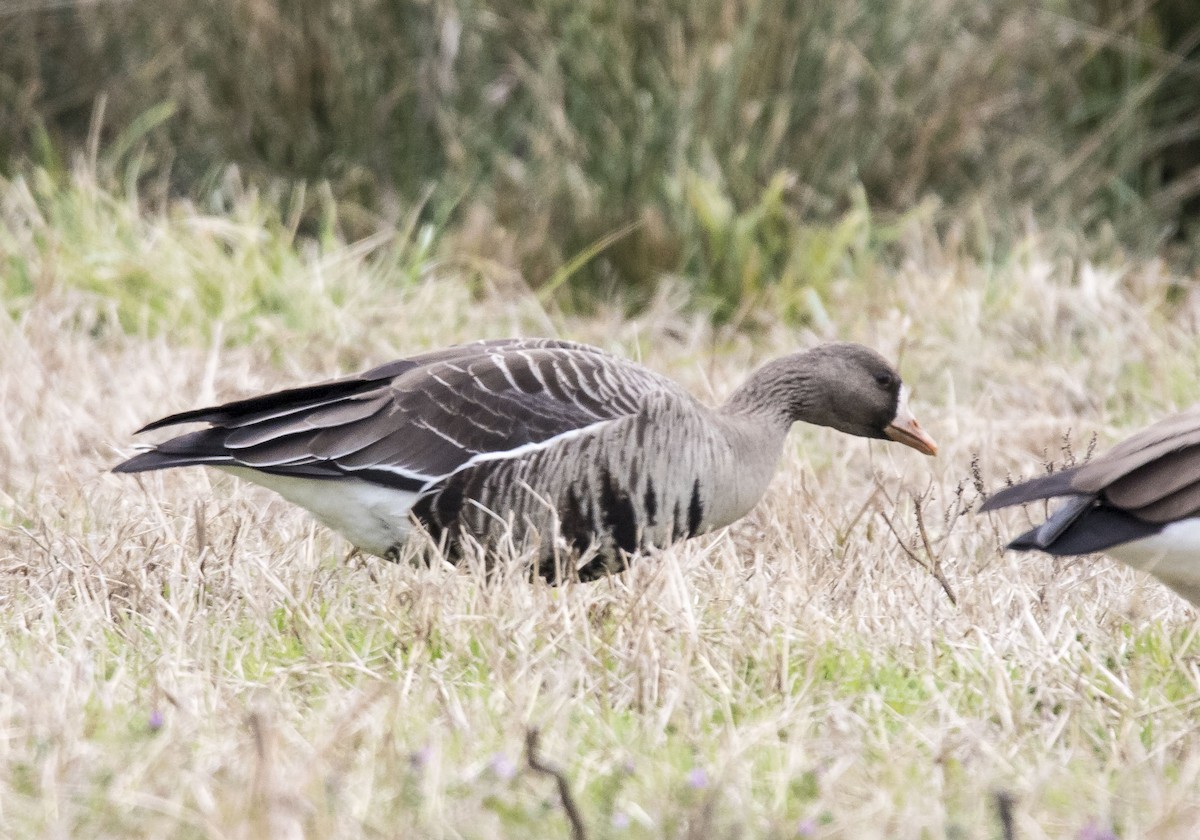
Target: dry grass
x=185, y=656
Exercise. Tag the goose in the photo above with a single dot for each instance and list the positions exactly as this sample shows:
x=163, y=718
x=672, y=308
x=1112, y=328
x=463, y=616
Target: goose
x=1139, y=503
x=583, y=454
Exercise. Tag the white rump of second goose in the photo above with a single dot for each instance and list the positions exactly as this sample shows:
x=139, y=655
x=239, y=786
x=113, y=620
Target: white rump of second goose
x=1139, y=503
x=583, y=456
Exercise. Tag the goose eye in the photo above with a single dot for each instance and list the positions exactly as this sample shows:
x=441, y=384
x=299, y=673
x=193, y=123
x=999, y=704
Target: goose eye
x=884, y=379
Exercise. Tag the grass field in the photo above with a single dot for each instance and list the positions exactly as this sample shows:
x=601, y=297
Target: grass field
x=186, y=656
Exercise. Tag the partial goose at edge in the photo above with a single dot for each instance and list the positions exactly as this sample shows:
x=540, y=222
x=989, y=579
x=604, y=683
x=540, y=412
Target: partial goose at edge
x=1139, y=503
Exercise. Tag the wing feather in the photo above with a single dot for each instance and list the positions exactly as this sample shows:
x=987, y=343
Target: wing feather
x=1180, y=504
x=1160, y=440
x=1042, y=487
x=416, y=420
x=327, y=416
x=1157, y=482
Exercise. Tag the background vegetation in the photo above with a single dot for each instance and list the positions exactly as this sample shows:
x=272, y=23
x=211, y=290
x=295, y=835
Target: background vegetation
x=724, y=131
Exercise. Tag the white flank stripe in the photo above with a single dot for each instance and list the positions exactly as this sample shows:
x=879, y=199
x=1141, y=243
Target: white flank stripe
x=395, y=470
x=527, y=448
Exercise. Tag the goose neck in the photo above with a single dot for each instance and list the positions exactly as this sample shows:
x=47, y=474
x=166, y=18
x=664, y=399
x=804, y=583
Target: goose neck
x=775, y=394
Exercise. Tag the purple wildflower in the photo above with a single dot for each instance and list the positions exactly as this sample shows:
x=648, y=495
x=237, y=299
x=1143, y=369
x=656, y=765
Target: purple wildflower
x=1095, y=831
x=807, y=827
x=420, y=758
x=697, y=778
x=620, y=820
x=502, y=767
x=156, y=720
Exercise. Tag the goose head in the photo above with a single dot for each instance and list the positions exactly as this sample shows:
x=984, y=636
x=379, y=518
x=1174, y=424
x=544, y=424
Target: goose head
x=845, y=386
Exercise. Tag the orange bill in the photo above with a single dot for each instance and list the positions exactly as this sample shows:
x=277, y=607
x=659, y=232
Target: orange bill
x=905, y=429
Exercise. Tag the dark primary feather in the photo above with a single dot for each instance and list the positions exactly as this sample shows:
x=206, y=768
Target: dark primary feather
x=281, y=403
x=1083, y=527
x=415, y=420
x=1043, y=487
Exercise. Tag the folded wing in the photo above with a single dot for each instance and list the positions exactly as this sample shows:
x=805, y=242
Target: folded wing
x=412, y=422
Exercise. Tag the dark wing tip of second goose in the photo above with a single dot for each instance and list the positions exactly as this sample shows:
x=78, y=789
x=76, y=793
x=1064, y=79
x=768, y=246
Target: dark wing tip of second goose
x=1043, y=487
x=1084, y=527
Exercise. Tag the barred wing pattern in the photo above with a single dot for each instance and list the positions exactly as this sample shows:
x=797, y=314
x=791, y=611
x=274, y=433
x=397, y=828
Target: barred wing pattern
x=411, y=423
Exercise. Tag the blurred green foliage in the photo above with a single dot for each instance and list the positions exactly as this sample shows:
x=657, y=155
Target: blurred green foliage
x=719, y=140
x=244, y=272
